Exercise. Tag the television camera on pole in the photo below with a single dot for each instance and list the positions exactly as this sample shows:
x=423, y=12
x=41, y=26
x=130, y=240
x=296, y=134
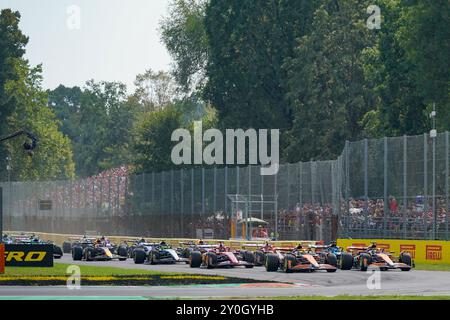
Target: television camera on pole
x=28, y=147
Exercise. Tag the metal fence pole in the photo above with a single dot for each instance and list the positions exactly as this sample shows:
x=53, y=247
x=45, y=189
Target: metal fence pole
x=192, y=194
x=405, y=184
x=225, y=179
x=347, y=185
x=153, y=192
x=237, y=180
x=249, y=169
x=182, y=202
x=172, y=213
x=425, y=179
x=366, y=185
x=447, y=156
x=203, y=190
x=435, y=230
x=262, y=196
x=214, y=190
x=385, y=185
x=276, y=206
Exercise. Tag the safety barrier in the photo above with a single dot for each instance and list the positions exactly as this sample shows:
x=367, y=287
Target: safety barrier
x=422, y=251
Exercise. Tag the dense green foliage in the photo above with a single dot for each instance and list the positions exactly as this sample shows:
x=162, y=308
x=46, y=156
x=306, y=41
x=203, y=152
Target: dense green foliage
x=312, y=69
x=23, y=106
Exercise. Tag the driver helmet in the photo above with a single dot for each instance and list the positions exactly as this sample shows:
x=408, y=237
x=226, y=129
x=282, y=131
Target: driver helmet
x=142, y=240
x=333, y=244
x=200, y=242
x=163, y=243
x=299, y=247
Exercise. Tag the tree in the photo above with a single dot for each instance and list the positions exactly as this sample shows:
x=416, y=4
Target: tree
x=152, y=140
x=154, y=90
x=52, y=158
x=327, y=82
x=183, y=33
x=12, y=47
x=249, y=41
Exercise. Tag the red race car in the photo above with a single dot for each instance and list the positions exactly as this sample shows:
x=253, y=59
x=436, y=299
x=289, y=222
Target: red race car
x=220, y=256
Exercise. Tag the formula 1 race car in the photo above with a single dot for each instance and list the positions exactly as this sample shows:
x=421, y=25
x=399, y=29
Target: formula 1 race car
x=362, y=258
x=264, y=249
x=301, y=260
x=32, y=239
x=186, y=248
x=156, y=253
x=221, y=256
x=98, y=251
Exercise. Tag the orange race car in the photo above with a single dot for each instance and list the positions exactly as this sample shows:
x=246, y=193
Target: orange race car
x=362, y=257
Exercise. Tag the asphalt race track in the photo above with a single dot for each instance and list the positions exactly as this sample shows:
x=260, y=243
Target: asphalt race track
x=353, y=282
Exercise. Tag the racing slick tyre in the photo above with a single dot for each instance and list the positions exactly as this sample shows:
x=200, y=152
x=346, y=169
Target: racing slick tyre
x=272, y=262
x=331, y=260
x=122, y=252
x=139, y=256
x=249, y=257
x=289, y=262
x=259, y=258
x=211, y=260
x=405, y=258
x=77, y=253
x=66, y=247
x=364, y=261
x=153, y=256
x=346, y=261
x=88, y=254
x=57, y=252
x=195, y=259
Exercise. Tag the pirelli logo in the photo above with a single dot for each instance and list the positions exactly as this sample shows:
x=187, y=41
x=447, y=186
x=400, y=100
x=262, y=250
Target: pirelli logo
x=410, y=248
x=385, y=246
x=433, y=252
x=29, y=255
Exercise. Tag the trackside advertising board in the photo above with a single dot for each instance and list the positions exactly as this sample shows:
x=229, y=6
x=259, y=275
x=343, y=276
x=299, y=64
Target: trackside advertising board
x=422, y=251
x=29, y=255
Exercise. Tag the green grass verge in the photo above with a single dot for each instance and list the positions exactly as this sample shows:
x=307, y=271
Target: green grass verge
x=60, y=269
x=433, y=267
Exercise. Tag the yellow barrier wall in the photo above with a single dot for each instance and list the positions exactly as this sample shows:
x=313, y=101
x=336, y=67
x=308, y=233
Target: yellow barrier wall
x=422, y=251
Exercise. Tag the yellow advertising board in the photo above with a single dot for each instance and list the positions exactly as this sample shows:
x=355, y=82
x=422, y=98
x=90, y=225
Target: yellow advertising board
x=422, y=251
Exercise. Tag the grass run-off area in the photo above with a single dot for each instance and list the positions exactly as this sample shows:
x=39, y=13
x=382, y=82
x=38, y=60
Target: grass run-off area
x=60, y=269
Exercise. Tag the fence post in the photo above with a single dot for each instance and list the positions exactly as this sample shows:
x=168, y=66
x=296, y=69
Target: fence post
x=153, y=191
x=276, y=205
x=405, y=184
x=366, y=185
x=225, y=179
x=347, y=186
x=214, y=190
x=192, y=195
x=172, y=213
x=262, y=196
x=425, y=181
x=203, y=191
x=385, y=185
x=447, y=156
x=182, y=202
x=237, y=180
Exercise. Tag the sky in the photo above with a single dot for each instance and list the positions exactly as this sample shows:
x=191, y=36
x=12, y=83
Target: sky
x=104, y=40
